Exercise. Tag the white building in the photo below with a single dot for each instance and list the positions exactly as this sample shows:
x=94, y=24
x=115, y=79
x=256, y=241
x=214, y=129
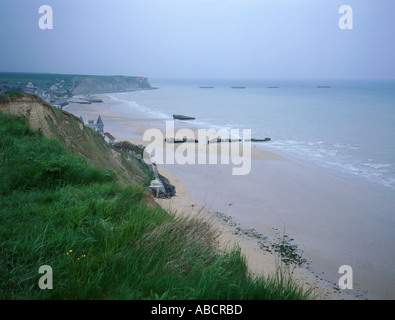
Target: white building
x=109, y=138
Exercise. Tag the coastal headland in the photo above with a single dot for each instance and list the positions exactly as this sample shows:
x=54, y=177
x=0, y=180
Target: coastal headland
x=58, y=89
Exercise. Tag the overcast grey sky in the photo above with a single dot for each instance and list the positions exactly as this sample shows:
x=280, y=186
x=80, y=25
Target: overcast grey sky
x=203, y=39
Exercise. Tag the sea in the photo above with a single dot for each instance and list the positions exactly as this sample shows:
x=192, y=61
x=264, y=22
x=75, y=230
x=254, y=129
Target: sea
x=345, y=125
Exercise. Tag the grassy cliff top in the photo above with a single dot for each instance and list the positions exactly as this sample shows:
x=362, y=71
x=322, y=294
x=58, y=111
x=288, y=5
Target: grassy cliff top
x=74, y=136
x=103, y=240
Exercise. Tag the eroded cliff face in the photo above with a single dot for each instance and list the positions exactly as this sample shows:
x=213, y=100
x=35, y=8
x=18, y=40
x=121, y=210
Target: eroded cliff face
x=70, y=131
x=36, y=111
x=110, y=84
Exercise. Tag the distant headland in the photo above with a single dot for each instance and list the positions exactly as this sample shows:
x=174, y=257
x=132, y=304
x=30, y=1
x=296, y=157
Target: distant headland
x=57, y=89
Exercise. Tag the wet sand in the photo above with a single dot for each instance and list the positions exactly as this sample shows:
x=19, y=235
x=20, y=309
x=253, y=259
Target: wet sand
x=334, y=219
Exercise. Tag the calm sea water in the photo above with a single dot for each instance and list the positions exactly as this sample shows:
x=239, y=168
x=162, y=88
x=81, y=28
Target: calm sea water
x=345, y=125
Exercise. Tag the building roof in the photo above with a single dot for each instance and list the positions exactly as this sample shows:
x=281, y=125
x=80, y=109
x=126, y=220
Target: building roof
x=99, y=120
x=109, y=136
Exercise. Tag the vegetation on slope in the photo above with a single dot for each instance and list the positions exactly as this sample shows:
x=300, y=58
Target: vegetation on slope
x=103, y=240
x=89, y=144
x=75, y=137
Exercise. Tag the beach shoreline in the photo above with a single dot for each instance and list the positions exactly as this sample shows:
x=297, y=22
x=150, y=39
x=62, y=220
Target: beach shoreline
x=281, y=196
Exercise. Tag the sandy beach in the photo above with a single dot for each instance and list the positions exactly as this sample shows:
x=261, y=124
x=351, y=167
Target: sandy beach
x=332, y=218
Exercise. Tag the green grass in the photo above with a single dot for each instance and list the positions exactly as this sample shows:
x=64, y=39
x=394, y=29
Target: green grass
x=103, y=240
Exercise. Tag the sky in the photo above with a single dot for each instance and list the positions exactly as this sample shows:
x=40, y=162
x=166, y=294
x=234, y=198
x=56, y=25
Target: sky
x=201, y=39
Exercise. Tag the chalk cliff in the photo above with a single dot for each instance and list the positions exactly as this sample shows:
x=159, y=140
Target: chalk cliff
x=105, y=84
